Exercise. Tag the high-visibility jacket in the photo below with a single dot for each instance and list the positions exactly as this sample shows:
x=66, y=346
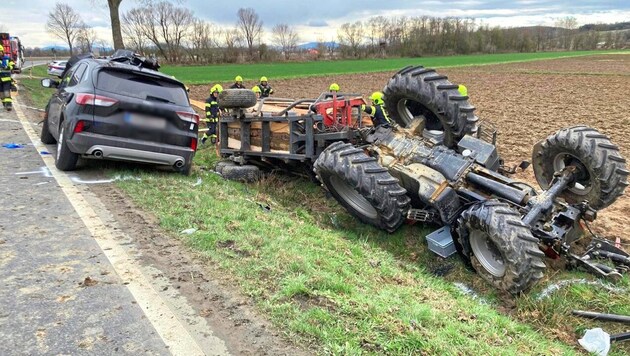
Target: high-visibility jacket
x=378, y=115
x=212, y=109
x=265, y=90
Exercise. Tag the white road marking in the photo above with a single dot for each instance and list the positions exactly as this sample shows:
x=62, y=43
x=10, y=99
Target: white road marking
x=163, y=319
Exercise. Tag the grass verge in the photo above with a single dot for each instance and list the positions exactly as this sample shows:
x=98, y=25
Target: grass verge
x=252, y=72
x=32, y=88
x=344, y=287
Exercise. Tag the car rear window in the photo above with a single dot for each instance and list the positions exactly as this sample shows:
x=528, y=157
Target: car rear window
x=140, y=86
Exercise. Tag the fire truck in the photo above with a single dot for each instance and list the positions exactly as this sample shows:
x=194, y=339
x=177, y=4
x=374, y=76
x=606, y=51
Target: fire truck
x=13, y=47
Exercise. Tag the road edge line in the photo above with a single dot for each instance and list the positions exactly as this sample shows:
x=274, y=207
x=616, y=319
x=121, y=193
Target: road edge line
x=162, y=318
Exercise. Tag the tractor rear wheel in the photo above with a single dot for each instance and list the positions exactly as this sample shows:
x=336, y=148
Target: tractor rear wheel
x=499, y=246
x=362, y=186
x=415, y=93
x=602, y=172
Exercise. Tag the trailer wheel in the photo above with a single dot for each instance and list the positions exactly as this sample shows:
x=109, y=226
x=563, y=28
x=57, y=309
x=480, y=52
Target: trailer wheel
x=237, y=98
x=246, y=173
x=602, y=171
x=499, y=246
x=362, y=186
x=416, y=92
x=222, y=164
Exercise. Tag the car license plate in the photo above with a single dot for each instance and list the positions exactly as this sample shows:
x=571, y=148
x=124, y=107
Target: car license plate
x=145, y=121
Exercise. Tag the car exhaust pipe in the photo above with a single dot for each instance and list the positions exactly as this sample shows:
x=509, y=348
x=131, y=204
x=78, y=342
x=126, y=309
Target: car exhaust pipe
x=179, y=163
x=98, y=153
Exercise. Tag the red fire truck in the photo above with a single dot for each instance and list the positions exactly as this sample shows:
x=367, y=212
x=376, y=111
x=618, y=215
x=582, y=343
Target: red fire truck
x=13, y=47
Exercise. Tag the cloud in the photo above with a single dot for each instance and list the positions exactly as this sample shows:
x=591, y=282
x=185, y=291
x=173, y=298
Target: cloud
x=317, y=23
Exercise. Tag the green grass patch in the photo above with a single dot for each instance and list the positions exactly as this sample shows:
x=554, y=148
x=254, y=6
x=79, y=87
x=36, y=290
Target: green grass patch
x=327, y=280
x=252, y=72
x=37, y=71
x=32, y=88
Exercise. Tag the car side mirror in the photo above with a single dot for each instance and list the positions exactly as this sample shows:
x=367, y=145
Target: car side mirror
x=49, y=83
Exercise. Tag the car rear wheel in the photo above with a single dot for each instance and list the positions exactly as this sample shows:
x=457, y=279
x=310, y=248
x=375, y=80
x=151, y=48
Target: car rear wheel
x=65, y=160
x=45, y=135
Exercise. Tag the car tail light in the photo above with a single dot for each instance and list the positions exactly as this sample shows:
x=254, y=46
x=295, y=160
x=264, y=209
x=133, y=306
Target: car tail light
x=193, y=144
x=187, y=116
x=79, y=126
x=95, y=100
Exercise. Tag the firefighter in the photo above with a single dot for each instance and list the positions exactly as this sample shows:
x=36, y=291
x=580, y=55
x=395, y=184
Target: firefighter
x=265, y=88
x=256, y=91
x=212, y=114
x=377, y=111
x=462, y=90
x=238, y=83
x=6, y=66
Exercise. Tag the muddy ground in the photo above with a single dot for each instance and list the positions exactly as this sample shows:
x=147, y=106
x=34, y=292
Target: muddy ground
x=526, y=102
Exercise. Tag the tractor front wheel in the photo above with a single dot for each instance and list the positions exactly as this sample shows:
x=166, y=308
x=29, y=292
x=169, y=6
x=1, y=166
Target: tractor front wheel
x=499, y=246
x=601, y=171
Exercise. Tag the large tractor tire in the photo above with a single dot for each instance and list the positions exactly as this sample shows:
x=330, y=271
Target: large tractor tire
x=416, y=92
x=237, y=98
x=362, y=186
x=499, y=246
x=602, y=172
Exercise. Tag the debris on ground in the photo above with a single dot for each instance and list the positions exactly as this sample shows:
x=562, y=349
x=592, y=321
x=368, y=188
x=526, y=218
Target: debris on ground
x=12, y=145
x=561, y=284
x=190, y=231
x=596, y=341
x=198, y=182
x=466, y=290
x=88, y=282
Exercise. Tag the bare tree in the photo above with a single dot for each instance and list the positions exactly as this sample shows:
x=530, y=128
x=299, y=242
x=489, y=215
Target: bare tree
x=285, y=37
x=350, y=35
x=133, y=27
x=86, y=38
x=250, y=26
x=114, y=15
x=162, y=23
x=64, y=23
x=202, y=39
x=232, y=44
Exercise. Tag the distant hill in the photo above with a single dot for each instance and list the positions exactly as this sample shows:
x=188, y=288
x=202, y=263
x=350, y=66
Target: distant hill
x=606, y=27
x=314, y=45
x=55, y=47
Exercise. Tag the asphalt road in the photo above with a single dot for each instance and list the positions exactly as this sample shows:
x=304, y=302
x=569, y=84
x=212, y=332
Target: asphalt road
x=70, y=284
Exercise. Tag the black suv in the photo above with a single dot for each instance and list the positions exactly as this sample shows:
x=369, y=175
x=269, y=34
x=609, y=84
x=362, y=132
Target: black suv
x=105, y=109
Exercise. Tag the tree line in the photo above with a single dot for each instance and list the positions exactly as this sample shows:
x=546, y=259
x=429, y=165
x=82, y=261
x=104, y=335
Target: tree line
x=176, y=35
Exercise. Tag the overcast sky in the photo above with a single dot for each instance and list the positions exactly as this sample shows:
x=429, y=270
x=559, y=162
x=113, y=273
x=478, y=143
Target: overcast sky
x=317, y=20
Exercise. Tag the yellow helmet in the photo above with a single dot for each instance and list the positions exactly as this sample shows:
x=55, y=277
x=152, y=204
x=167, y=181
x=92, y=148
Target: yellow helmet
x=217, y=88
x=334, y=87
x=263, y=79
x=377, y=97
x=463, y=90
x=256, y=89
x=238, y=78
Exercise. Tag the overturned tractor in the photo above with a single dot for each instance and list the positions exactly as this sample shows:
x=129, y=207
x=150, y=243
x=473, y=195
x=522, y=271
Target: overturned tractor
x=440, y=165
